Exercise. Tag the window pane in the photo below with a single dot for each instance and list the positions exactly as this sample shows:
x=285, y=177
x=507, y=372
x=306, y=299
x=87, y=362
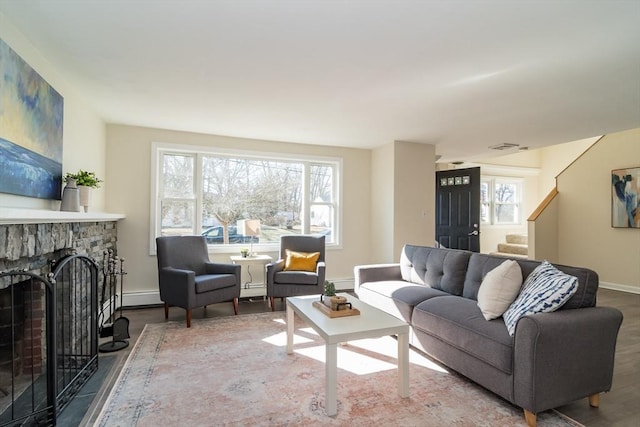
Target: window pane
x=177, y=176
x=484, y=213
x=506, y=193
x=506, y=214
x=484, y=192
x=321, y=177
x=322, y=221
x=177, y=218
x=240, y=188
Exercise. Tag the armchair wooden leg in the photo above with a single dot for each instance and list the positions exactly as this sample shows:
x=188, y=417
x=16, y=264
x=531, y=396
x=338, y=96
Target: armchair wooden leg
x=188, y=318
x=272, y=303
x=594, y=400
x=235, y=306
x=166, y=311
x=530, y=418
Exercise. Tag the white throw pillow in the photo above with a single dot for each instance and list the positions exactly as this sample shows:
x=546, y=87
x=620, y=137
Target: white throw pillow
x=499, y=288
x=545, y=290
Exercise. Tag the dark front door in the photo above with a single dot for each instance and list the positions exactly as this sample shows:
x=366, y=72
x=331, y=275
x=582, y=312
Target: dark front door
x=458, y=209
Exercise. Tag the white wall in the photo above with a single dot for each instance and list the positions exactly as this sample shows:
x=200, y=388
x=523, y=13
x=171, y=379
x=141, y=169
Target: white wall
x=84, y=132
x=128, y=172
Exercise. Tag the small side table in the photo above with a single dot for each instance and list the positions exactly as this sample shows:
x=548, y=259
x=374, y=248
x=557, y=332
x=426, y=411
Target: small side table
x=251, y=288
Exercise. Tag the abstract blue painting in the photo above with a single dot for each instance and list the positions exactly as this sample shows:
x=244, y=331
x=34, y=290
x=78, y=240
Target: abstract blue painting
x=31, y=118
x=625, y=198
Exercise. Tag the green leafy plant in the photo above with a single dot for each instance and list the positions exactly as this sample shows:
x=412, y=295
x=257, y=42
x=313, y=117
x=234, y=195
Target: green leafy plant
x=88, y=179
x=329, y=288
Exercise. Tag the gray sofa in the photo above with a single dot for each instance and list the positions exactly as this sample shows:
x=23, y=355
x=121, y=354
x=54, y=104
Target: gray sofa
x=552, y=359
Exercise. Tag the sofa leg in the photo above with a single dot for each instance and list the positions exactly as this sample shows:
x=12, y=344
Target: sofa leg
x=235, y=306
x=166, y=311
x=272, y=302
x=594, y=400
x=188, y=318
x=530, y=418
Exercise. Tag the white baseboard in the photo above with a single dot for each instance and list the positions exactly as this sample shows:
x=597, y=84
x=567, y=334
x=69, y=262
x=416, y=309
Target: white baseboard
x=621, y=288
x=135, y=299
x=343, y=284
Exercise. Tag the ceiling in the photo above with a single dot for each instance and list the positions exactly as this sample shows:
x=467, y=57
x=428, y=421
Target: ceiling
x=462, y=75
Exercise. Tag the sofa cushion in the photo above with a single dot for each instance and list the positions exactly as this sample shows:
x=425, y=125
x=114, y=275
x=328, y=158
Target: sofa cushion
x=442, y=269
x=396, y=297
x=459, y=322
x=545, y=290
x=499, y=289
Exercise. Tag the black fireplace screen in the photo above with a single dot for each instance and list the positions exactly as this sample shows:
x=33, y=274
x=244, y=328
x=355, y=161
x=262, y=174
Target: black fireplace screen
x=48, y=339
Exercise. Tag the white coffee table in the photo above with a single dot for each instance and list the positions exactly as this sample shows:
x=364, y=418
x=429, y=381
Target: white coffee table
x=370, y=323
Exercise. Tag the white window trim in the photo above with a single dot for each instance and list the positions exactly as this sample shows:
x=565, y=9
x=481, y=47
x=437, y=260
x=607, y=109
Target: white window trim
x=160, y=148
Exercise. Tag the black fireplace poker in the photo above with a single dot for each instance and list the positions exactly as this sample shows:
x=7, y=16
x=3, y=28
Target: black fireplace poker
x=113, y=267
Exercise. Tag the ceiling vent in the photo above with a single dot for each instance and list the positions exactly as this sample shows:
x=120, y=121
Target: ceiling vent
x=503, y=147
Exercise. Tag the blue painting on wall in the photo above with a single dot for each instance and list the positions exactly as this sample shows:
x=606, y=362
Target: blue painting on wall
x=31, y=115
x=625, y=198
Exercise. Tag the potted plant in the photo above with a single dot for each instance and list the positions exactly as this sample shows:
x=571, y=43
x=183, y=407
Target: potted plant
x=329, y=296
x=85, y=181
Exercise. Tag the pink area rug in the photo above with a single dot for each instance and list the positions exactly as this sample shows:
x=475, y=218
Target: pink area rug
x=235, y=371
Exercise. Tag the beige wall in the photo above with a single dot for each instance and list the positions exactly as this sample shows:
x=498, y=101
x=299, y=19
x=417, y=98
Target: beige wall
x=414, y=195
x=554, y=159
x=403, y=194
x=382, y=201
x=543, y=232
x=585, y=235
x=128, y=172
x=84, y=135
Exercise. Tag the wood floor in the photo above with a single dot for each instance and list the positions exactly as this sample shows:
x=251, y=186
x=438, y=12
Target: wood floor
x=618, y=408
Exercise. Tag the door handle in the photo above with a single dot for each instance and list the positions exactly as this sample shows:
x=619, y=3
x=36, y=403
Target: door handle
x=473, y=233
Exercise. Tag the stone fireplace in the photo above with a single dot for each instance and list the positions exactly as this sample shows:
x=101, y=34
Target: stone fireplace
x=33, y=242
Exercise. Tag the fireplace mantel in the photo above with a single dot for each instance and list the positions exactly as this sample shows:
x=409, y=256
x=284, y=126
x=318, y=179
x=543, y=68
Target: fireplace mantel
x=42, y=216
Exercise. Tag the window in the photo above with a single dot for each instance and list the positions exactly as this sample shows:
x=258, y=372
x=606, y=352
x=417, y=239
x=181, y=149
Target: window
x=500, y=200
x=209, y=192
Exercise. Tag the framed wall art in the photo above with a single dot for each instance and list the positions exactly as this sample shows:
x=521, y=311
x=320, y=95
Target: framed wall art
x=625, y=198
x=31, y=115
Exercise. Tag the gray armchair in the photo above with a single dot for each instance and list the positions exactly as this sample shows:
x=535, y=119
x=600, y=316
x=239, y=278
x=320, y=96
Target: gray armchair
x=189, y=280
x=282, y=283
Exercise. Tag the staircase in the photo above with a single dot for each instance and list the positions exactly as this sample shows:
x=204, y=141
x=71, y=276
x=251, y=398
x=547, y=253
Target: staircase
x=517, y=246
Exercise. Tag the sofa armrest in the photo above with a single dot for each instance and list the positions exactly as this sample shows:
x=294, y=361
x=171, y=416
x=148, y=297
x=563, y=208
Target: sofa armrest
x=564, y=356
x=375, y=273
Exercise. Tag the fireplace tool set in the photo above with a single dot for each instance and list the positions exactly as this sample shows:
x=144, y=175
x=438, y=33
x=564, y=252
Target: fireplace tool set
x=112, y=269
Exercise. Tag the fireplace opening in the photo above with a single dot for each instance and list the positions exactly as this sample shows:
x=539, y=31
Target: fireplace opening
x=49, y=339
x=26, y=388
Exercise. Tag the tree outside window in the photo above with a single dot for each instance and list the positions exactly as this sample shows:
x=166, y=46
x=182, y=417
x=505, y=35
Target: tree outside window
x=204, y=193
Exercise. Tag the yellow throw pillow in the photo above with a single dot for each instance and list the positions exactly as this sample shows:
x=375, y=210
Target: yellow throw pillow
x=301, y=261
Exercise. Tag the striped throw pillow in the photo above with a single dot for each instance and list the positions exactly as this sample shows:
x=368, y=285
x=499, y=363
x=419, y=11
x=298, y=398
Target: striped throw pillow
x=545, y=290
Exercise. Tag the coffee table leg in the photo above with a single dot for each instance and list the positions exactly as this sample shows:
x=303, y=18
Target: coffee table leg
x=403, y=365
x=289, y=330
x=331, y=363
